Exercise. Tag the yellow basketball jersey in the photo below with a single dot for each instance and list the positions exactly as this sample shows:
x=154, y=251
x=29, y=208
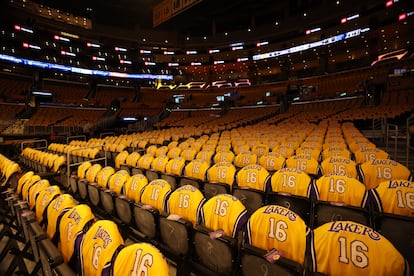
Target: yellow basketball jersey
x=186, y=202
x=276, y=227
x=378, y=170
x=121, y=158
x=304, y=163
x=291, y=181
x=174, y=152
x=196, y=169
x=260, y=149
x=92, y=172
x=395, y=197
x=83, y=168
x=254, y=177
x=142, y=259
x=175, y=166
x=55, y=209
x=161, y=151
x=103, y=176
x=99, y=245
x=205, y=155
x=27, y=185
x=224, y=212
x=341, y=188
x=132, y=159
x=222, y=172
x=314, y=152
x=224, y=156
x=336, y=152
x=350, y=248
x=145, y=161
x=34, y=191
x=134, y=186
x=159, y=163
x=25, y=177
x=156, y=194
x=188, y=154
x=43, y=200
x=245, y=158
x=117, y=181
x=369, y=154
x=272, y=161
x=71, y=225
x=339, y=165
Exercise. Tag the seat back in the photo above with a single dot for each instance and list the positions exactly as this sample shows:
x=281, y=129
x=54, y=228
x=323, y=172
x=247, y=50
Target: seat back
x=176, y=235
x=252, y=183
x=291, y=188
x=276, y=241
x=217, y=237
x=153, y=201
x=255, y=261
x=340, y=197
x=220, y=179
x=217, y=254
x=403, y=238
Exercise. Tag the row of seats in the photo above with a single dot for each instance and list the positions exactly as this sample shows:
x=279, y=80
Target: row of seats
x=224, y=176
x=9, y=170
x=163, y=159
x=337, y=197
x=88, y=245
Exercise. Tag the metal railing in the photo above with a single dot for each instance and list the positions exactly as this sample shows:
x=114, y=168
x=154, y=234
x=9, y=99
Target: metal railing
x=35, y=141
x=70, y=138
x=69, y=164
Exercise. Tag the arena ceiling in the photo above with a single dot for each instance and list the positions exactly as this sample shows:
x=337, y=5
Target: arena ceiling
x=227, y=15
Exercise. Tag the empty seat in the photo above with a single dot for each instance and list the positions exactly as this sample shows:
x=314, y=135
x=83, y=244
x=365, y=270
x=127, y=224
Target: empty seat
x=153, y=200
x=291, y=188
x=252, y=184
x=220, y=179
x=276, y=242
x=195, y=173
x=176, y=225
x=216, y=239
x=115, y=186
x=340, y=197
x=132, y=191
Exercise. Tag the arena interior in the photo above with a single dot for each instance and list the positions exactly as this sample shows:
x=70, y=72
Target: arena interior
x=206, y=137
